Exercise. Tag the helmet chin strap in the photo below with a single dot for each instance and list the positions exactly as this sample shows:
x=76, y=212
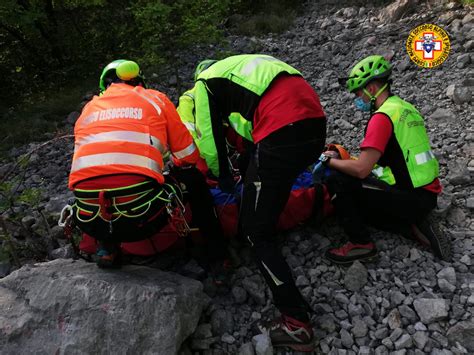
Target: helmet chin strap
x=374, y=98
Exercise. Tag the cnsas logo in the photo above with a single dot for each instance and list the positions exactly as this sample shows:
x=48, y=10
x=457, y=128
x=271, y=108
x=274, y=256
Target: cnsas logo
x=428, y=45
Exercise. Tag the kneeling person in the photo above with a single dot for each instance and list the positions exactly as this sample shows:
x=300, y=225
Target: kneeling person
x=117, y=176
x=408, y=186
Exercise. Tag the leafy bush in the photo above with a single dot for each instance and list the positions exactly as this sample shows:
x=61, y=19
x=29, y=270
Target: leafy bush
x=46, y=43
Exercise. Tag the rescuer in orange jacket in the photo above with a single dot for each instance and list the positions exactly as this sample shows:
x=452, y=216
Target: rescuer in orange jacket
x=123, y=192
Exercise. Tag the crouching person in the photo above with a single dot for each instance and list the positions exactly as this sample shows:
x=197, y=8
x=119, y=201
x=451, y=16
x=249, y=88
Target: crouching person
x=407, y=186
x=122, y=194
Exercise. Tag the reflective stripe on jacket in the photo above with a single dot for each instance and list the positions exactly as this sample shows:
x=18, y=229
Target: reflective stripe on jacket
x=126, y=131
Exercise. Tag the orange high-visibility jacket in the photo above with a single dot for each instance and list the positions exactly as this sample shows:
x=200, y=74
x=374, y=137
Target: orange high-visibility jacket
x=127, y=130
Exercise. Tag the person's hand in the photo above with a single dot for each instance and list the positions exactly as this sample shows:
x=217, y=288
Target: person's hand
x=226, y=184
x=332, y=153
x=175, y=164
x=168, y=166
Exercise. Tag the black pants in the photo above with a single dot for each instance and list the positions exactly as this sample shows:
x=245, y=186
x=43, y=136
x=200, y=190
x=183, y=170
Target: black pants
x=274, y=165
x=133, y=229
x=203, y=211
x=359, y=203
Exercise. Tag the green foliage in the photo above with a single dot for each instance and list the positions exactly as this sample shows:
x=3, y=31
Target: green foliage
x=4, y=253
x=7, y=189
x=31, y=197
x=10, y=197
x=169, y=26
x=46, y=43
x=53, y=41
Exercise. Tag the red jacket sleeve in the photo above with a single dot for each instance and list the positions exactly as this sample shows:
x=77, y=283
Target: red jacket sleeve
x=378, y=133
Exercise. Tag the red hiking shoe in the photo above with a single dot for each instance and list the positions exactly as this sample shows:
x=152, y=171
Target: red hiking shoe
x=349, y=252
x=289, y=332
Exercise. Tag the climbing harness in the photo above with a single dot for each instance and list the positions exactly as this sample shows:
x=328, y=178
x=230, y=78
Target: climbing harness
x=67, y=223
x=135, y=201
x=65, y=216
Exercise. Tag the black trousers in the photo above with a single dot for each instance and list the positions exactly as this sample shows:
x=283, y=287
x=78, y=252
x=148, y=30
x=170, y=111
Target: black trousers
x=133, y=229
x=203, y=211
x=274, y=165
x=359, y=203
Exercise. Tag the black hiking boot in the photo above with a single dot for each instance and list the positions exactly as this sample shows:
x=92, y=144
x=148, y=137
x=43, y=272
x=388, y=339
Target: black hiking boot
x=428, y=232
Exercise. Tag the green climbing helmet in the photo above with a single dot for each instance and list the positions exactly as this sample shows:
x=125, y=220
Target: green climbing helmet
x=122, y=69
x=368, y=69
x=203, y=66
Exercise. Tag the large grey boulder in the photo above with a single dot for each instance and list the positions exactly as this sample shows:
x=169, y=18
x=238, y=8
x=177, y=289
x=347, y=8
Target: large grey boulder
x=396, y=10
x=72, y=307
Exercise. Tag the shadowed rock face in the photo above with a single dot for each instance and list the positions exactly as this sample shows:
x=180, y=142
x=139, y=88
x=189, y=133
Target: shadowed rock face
x=72, y=307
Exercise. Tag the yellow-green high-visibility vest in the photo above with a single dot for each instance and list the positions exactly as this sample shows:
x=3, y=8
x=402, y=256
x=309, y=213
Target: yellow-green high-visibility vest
x=410, y=134
x=253, y=72
x=186, y=111
x=384, y=174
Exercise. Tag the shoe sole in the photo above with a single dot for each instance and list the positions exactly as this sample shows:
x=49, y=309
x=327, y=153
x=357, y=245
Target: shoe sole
x=440, y=243
x=350, y=262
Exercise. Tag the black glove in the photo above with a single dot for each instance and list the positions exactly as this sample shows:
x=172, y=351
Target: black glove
x=227, y=184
